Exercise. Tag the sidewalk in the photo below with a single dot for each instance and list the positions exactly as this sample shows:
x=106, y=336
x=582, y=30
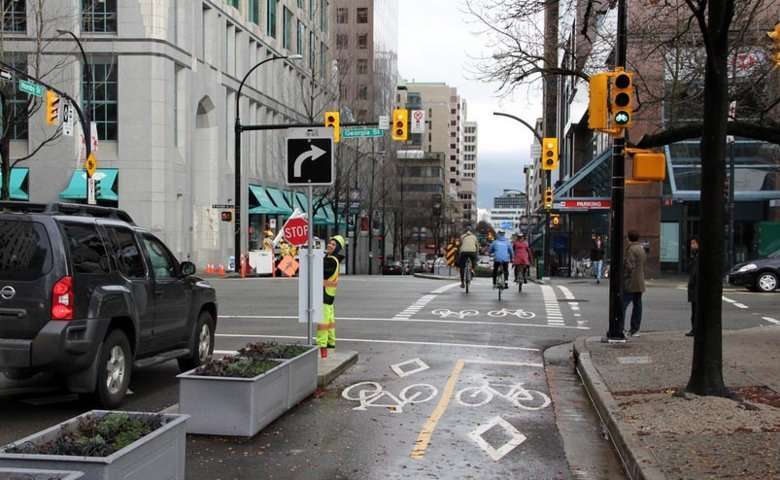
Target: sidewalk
x=662, y=435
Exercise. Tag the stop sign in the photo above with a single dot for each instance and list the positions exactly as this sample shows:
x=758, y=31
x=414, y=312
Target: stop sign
x=296, y=231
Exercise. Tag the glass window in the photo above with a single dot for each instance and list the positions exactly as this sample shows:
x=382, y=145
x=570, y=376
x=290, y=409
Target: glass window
x=362, y=66
x=363, y=92
x=362, y=15
x=323, y=60
x=19, y=103
x=342, y=41
x=342, y=15
x=127, y=253
x=98, y=15
x=299, y=39
x=271, y=18
x=164, y=265
x=302, y=4
x=233, y=3
x=312, y=51
x=87, y=252
x=362, y=40
x=312, y=8
x=103, y=102
x=25, y=252
x=254, y=11
x=324, y=16
x=14, y=16
x=287, y=29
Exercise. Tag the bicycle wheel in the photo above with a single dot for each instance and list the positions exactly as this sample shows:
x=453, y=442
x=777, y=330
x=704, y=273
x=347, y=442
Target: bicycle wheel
x=474, y=396
x=467, y=273
x=537, y=400
x=500, y=288
x=363, y=390
x=420, y=393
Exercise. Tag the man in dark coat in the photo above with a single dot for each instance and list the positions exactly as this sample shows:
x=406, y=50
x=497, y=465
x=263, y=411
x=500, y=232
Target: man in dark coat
x=634, y=280
x=693, y=281
x=597, y=257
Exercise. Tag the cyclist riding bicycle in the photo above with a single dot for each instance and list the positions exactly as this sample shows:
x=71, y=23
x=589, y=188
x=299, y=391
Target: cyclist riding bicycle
x=469, y=246
x=522, y=258
x=502, y=251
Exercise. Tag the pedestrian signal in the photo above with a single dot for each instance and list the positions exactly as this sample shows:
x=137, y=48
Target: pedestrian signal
x=227, y=216
x=621, y=94
x=548, y=198
x=332, y=120
x=549, y=153
x=52, y=108
x=555, y=220
x=648, y=166
x=400, y=124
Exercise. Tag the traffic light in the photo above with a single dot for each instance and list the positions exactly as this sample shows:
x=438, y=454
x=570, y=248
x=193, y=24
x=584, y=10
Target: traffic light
x=621, y=95
x=775, y=36
x=548, y=198
x=400, y=124
x=648, y=166
x=598, y=116
x=227, y=216
x=555, y=220
x=52, y=108
x=549, y=153
x=332, y=120
x=97, y=189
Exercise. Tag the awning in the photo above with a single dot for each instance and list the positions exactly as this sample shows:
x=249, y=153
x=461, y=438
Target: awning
x=591, y=181
x=280, y=200
x=106, y=181
x=321, y=216
x=265, y=206
x=19, y=185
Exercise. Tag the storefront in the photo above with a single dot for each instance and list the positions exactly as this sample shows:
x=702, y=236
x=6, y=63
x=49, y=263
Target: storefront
x=19, y=184
x=106, y=187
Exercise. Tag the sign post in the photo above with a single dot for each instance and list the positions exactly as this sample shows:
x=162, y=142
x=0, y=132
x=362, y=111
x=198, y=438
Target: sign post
x=310, y=163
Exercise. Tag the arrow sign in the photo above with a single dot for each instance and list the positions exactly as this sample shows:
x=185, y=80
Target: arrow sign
x=312, y=154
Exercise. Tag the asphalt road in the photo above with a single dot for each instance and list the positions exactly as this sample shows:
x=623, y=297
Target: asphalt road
x=453, y=385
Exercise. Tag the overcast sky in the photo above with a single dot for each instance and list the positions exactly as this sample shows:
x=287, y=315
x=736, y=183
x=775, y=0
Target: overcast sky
x=438, y=43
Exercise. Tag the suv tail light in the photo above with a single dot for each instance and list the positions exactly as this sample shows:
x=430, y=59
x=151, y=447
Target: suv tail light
x=62, y=299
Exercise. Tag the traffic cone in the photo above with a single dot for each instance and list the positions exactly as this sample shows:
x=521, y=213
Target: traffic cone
x=221, y=270
x=323, y=353
x=209, y=268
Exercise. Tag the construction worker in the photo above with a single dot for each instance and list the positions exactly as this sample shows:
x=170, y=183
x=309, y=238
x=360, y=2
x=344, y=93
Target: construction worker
x=326, y=330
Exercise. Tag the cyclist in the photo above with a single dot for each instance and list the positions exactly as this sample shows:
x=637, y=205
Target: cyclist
x=501, y=249
x=469, y=246
x=522, y=259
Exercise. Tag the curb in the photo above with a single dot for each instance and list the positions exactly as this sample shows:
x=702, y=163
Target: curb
x=336, y=364
x=638, y=462
x=435, y=277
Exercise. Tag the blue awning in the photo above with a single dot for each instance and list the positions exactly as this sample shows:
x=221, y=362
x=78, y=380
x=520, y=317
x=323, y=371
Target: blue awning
x=19, y=184
x=106, y=182
x=280, y=200
x=265, y=206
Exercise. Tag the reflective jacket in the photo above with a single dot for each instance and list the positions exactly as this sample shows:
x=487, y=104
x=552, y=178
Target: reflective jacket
x=331, y=279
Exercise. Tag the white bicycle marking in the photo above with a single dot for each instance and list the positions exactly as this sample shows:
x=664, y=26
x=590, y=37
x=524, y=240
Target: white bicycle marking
x=519, y=313
x=370, y=393
x=447, y=313
x=516, y=394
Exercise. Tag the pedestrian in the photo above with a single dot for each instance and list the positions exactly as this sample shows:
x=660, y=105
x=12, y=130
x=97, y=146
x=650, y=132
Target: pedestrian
x=634, y=281
x=597, y=257
x=326, y=329
x=503, y=254
x=522, y=259
x=693, y=281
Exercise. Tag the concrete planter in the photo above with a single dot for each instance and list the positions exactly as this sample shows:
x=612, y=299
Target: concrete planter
x=159, y=455
x=303, y=376
x=26, y=474
x=234, y=406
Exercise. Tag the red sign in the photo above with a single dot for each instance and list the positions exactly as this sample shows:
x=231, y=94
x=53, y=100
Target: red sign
x=585, y=204
x=296, y=231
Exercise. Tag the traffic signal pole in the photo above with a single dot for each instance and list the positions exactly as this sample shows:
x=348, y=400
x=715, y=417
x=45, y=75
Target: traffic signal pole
x=616, y=311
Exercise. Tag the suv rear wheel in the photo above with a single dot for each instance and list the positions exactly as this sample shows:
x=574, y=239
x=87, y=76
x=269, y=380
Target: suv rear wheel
x=766, y=282
x=202, y=344
x=115, y=364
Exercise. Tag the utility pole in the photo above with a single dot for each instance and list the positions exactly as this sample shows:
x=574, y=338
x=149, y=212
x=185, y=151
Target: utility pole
x=551, y=18
x=371, y=210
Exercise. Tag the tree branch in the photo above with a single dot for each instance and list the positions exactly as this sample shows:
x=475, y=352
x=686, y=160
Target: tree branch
x=693, y=131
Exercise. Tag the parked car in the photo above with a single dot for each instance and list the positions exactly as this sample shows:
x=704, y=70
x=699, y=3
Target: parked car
x=88, y=295
x=393, y=268
x=484, y=267
x=759, y=275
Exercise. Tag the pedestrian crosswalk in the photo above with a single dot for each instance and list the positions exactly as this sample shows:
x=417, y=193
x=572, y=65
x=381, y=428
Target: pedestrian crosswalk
x=415, y=307
x=551, y=307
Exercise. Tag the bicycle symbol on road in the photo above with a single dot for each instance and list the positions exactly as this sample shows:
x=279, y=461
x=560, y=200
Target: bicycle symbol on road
x=516, y=394
x=519, y=313
x=447, y=313
x=372, y=394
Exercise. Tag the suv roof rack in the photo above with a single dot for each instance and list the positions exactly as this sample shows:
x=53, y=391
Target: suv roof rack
x=59, y=208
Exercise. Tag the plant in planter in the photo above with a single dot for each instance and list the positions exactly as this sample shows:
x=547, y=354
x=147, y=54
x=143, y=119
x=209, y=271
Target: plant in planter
x=106, y=445
x=252, y=389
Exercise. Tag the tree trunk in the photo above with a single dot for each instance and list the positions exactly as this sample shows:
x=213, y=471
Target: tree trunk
x=707, y=368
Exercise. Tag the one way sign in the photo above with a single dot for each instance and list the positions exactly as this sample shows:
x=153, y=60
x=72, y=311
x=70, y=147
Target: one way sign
x=310, y=156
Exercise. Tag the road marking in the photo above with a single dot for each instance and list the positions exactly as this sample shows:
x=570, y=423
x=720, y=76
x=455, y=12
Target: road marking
x=735, y=303
x=369, y=396
x=551, y=306
x=424, y=439
x=771, y=320
x=367, y=340
x=559, y=323
x=416, y=306
x=494, y=362
x=445, y=288
x=420, y=367
x=516, y=438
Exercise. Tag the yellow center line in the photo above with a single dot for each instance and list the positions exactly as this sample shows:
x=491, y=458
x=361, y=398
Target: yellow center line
x=430, y=425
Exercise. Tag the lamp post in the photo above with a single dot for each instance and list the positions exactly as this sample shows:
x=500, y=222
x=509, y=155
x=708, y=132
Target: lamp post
x=238, y=129
x=86, y=118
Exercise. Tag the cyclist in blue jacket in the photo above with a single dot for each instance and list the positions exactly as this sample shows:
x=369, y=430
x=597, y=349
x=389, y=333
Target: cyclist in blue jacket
x=502, y=253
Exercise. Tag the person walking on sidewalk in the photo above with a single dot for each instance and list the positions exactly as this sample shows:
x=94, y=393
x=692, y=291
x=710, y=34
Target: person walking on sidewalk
x=693, y=281
x=326, y=330
x=522, y=259
x=501, y=249
x=597, y=257
x=634, y=281
x=469, y=246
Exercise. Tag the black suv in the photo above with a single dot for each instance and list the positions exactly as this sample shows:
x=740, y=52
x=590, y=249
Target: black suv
x=88, y=295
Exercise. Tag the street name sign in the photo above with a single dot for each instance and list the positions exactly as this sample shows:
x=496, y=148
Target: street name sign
x=31, y=88
x=362, y=132
x=310, y=157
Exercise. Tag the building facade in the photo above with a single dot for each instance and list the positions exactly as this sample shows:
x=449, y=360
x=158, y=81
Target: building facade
x=163, y=78
x=468, y=181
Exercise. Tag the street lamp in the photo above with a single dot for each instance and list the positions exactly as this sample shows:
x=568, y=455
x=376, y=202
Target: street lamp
x=238, y=129
x=86, y=120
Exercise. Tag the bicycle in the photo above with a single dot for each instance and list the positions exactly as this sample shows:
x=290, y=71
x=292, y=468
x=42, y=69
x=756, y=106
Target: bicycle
x=501, y=279
x=368, y=394
x=520, y=281
x=516, y=394
x=468, y=273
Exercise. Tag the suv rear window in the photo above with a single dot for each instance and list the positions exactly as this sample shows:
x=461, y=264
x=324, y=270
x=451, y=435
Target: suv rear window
x=25, y=251
x=87, y=252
